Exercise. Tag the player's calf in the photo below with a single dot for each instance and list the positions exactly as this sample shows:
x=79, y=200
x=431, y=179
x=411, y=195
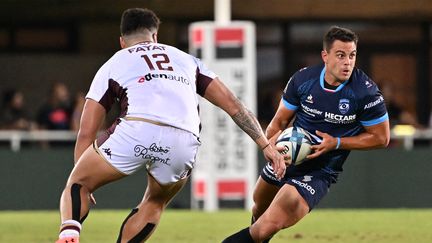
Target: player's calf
x=142, y=235
x=71, y=228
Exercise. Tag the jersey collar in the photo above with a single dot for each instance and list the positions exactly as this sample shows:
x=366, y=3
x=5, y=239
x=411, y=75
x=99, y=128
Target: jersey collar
x=330, y=90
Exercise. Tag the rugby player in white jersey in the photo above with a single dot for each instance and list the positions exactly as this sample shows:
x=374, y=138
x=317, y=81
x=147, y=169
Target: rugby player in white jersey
x=157, y=87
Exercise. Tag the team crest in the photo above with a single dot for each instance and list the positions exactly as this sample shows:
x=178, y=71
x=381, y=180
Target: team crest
x=344, y=105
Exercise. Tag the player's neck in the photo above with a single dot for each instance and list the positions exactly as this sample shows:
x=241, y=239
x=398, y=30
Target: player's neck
x=331, y=86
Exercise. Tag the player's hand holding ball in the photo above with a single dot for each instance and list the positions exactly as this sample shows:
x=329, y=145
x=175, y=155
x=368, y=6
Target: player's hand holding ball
x=328, y=143
x=273, y=154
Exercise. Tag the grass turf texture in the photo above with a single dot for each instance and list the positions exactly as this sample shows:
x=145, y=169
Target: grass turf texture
x=322, y=225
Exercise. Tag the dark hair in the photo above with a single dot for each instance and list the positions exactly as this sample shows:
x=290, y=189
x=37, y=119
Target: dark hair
x=338, y=33
x=137, y=19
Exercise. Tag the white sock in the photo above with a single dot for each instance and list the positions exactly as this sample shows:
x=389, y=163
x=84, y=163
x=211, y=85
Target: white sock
x=74, y=228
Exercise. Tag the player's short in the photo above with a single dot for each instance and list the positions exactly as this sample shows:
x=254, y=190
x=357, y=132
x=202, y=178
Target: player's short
x=168, y=153
x=311, y=185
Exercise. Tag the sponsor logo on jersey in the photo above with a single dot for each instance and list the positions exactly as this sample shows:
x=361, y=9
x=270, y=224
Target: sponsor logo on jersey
x=150, y=76
x=374, y=103
x=311, y=111
x=306, y=186
x=368, y=84
x=344, y=105
x=340, y=119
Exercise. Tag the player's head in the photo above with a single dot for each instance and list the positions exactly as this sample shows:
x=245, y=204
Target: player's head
x=138, y=24
x=338, y=33
x=339, y=53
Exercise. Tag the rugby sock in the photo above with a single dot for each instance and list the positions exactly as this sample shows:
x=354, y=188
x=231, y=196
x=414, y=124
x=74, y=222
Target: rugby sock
x=243, y=236
x=70, y=228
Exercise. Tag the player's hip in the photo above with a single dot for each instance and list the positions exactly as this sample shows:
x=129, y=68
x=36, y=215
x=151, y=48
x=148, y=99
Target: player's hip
x=133, y=144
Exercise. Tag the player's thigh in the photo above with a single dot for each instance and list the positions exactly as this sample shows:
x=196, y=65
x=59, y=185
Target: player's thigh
x=160, y=193
x=288, y=207
x=264, y=193
x=93, y=171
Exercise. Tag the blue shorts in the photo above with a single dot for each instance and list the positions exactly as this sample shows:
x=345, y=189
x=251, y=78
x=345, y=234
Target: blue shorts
x=312, y=185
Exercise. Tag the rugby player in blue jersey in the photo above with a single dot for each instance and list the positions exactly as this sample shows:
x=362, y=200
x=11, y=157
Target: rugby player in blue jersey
x=342, y=109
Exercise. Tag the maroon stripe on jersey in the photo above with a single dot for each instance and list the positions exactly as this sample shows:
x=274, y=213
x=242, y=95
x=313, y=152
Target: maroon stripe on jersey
x=115, y=91
x=107, y=133
x=202, y=82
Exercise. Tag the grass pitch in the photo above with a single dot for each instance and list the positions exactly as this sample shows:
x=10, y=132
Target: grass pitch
x=185, y=226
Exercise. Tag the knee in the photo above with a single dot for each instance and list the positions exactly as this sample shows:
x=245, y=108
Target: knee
x=265, y=229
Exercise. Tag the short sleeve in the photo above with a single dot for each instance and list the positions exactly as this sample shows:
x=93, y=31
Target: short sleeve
x=204, y=76
x=100, y=83
x=289, y=97
x=373, y=108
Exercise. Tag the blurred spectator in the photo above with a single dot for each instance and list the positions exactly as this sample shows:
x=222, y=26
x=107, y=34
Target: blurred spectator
x=269, y=96
x=13, y=114
x=56, y=112
x=77, y=110
x=397, y=114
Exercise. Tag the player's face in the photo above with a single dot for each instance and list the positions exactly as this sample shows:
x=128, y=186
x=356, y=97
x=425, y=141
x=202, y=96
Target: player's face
x=339, y=61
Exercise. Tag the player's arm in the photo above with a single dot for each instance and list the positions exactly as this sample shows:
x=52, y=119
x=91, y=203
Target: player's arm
x=92, y=118
x=375, y=136
x=280, y=121
x=218, y=94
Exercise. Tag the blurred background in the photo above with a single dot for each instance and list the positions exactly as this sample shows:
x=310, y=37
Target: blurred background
x=51, y=49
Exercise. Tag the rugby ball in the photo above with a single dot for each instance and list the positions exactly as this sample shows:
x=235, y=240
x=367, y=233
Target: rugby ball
x=297, y=143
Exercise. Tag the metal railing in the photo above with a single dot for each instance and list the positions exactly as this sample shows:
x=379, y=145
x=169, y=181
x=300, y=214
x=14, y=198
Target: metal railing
x=16, y=138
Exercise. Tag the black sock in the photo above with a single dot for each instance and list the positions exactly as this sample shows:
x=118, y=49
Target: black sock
x=243, y=236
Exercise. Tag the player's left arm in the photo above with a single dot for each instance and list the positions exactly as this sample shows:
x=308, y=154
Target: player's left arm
x=374, y=137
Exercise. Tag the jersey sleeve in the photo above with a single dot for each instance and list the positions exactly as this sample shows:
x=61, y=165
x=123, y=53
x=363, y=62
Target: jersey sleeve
x=373, y=109
x=290, y=96
x=100, y=86
x=204, y=77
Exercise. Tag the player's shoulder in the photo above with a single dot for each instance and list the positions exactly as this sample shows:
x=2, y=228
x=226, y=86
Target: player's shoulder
x=305, y=76
x=362, y=83
x=309, y=72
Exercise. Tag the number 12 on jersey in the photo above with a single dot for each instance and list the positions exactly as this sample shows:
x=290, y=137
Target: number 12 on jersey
x=161, y=60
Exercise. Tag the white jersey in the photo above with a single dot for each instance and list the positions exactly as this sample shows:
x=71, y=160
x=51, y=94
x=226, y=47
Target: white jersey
x=153, y=81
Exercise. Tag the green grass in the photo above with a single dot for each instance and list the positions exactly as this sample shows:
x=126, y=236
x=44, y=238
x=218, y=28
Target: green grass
x=336, y=226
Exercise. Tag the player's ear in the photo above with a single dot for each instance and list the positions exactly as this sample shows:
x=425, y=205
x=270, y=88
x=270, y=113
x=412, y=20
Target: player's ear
x=154, y=37
x=122, y=42
x=324, y=55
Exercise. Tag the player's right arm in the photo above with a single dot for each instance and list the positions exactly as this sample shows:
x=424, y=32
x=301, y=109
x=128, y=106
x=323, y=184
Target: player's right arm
x=218, y=94
x=92, y=117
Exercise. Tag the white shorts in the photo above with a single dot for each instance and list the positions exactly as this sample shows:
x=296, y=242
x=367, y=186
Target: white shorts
x=167, y=152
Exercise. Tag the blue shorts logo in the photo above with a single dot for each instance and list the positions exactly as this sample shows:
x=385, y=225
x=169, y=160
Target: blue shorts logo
x=344, y=105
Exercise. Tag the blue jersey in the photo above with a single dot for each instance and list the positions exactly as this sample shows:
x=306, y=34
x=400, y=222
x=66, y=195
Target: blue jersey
x=342, y=112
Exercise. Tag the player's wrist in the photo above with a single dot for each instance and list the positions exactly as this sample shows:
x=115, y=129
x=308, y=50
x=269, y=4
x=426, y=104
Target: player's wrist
x=265, y=146
x=338, y=143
